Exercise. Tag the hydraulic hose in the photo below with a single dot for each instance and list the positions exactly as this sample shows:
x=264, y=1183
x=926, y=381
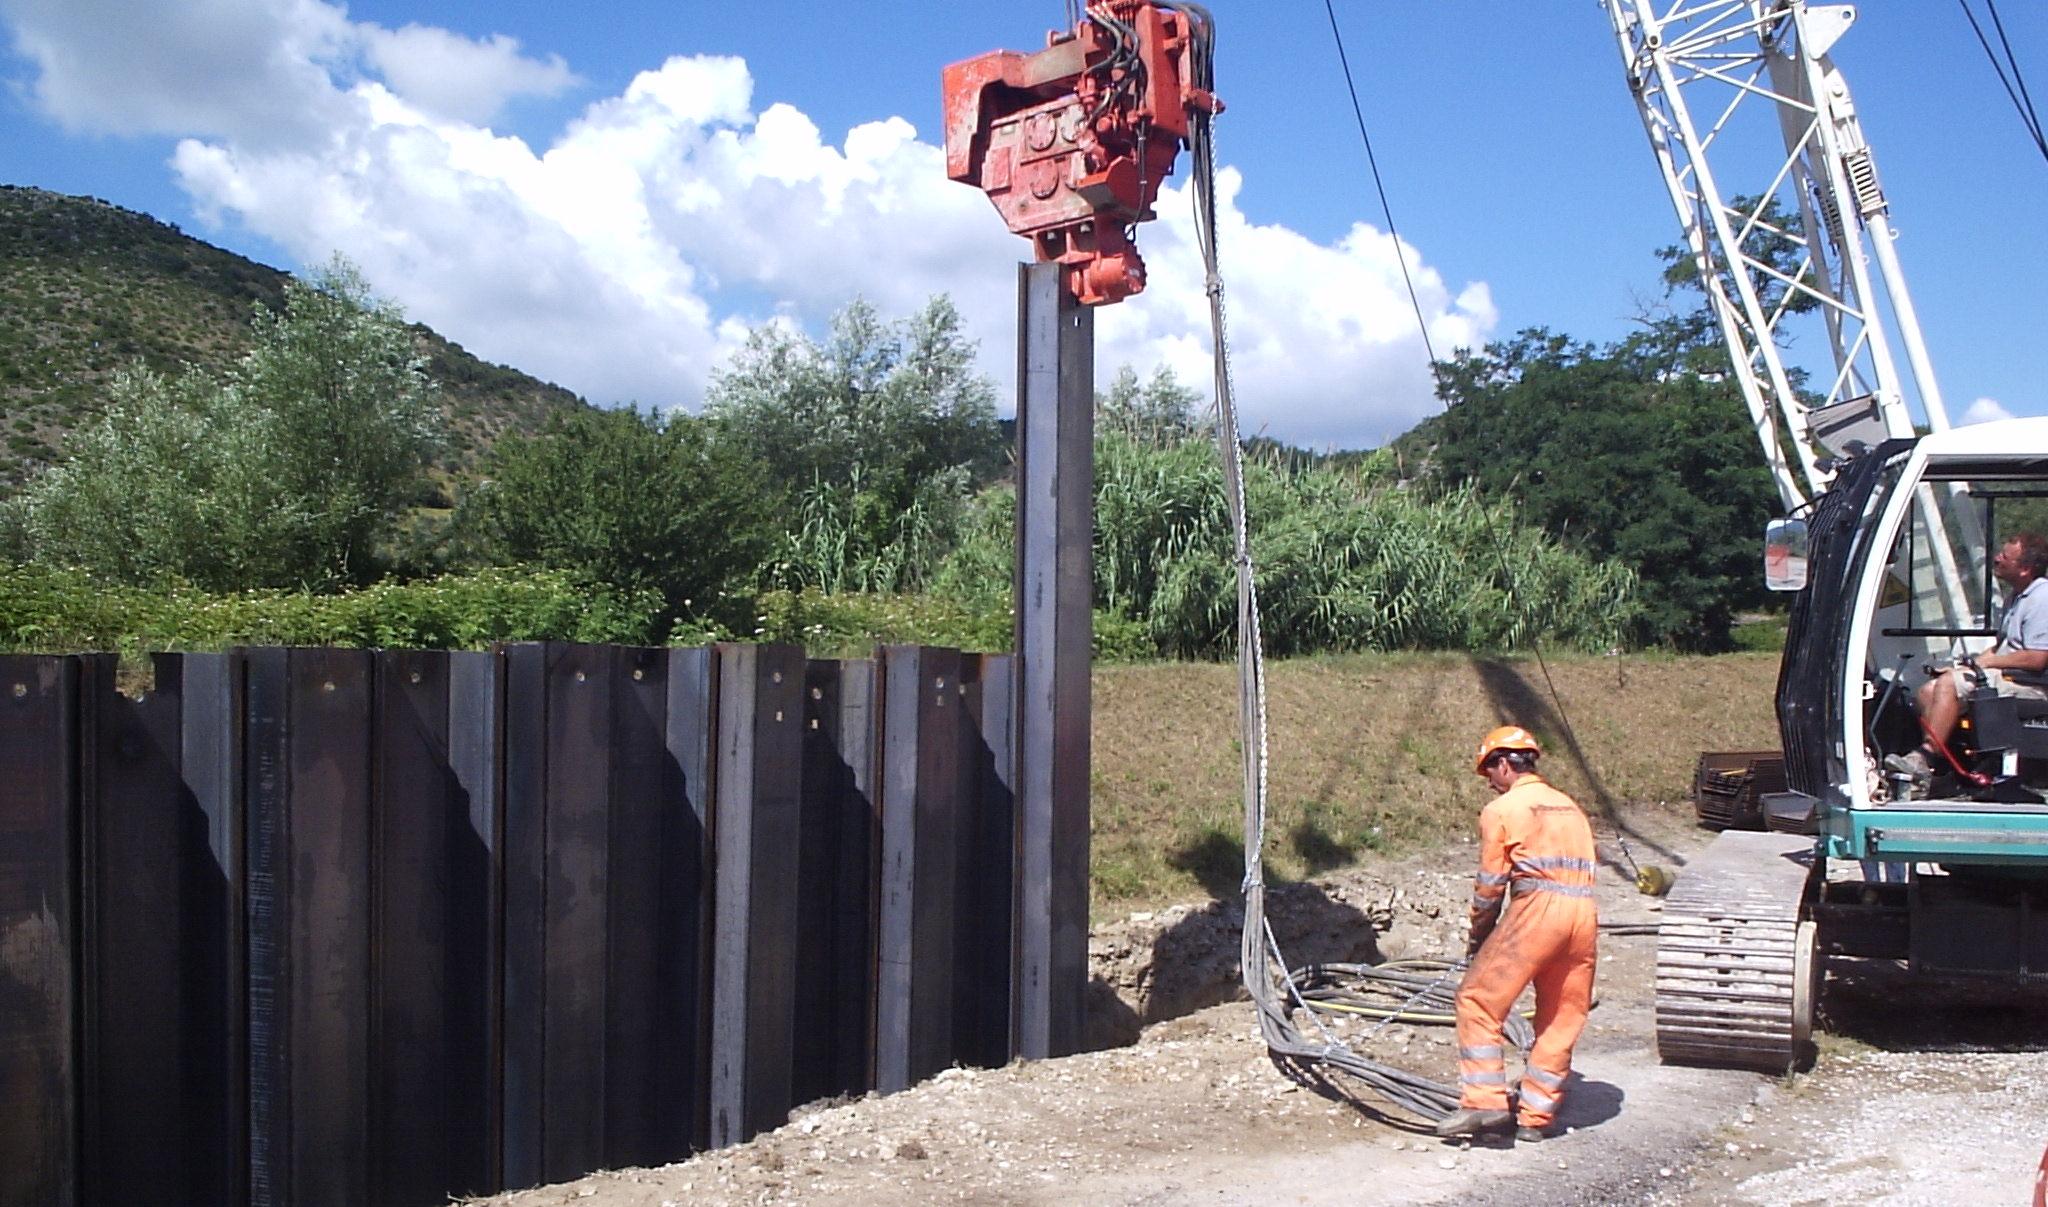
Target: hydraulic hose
x=1277, y=995
x=1398, y=991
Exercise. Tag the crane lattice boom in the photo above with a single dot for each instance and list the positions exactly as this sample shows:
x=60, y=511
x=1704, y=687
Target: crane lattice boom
x=1745, y=91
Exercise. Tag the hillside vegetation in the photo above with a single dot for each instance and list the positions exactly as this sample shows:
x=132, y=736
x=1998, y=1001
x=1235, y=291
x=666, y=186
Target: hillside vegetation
x=88, y=288
x=231, y=452
x=237, y=457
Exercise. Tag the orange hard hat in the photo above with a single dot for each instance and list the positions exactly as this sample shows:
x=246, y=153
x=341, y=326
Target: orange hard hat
x=1507, y=737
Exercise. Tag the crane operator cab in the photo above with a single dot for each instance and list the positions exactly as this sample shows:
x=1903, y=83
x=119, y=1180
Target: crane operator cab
x=1900, y=579
x=1897, y=576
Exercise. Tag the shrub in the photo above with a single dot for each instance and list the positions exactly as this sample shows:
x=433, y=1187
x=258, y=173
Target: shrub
x=851, y=625
x=1346, y=562
x=58, y=611
x=289, y=472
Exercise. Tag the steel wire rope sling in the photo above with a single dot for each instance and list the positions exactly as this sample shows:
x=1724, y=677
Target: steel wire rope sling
x=1277, y=992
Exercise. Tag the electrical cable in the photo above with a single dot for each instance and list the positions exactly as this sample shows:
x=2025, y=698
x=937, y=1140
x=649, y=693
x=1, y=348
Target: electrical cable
x=1126, y=60
x=1423, y=992
x=2006, y=44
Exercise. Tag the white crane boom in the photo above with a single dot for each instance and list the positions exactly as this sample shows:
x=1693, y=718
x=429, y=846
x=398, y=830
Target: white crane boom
x=1749, y=85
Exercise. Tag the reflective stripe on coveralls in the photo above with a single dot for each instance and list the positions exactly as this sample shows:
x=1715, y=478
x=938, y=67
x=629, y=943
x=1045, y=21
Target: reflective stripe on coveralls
x=1534, y=838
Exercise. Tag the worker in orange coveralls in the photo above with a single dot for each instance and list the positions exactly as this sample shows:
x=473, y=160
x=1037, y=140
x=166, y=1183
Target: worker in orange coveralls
x=1535, y=840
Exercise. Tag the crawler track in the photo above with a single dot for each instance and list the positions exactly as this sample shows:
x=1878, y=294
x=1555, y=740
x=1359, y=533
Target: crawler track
x=1735, y=962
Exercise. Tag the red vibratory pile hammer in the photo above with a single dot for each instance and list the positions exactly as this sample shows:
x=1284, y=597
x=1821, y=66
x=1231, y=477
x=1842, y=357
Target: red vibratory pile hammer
x=1071, y=142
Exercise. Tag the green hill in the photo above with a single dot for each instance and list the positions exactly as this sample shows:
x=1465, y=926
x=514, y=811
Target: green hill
x=87, y=287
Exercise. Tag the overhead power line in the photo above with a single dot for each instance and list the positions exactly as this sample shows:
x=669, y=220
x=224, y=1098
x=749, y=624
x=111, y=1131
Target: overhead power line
x=1509, y=580
x=2007, y=65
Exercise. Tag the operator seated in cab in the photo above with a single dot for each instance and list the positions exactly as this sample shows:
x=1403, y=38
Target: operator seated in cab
x=2016, y=666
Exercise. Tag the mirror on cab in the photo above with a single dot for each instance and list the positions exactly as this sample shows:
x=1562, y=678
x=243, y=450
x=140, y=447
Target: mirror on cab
x=1785, y=555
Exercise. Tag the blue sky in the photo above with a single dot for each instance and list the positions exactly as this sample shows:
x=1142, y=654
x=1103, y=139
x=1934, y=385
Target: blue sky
x=610, y=197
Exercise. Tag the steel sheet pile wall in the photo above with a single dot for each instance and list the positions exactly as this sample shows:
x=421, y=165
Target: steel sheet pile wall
x=836, y=862
x=435, y=904
x=328, y=926
x=161, y=975
x=370, y=901
x=39, y=923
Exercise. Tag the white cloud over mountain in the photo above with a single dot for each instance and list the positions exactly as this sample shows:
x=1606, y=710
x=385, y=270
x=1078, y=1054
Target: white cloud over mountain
x=628, y=257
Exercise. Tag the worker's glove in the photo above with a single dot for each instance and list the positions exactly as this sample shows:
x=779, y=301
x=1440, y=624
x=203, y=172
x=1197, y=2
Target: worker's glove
x=1967, y=667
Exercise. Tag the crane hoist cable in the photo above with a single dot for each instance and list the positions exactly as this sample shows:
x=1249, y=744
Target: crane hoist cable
x=1279, y=994
x=1509, y=581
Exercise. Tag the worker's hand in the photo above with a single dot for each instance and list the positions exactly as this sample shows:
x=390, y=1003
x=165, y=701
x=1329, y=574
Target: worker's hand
x=1473, y=944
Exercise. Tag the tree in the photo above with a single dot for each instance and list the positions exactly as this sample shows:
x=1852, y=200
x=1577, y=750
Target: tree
x=876, y=437
x=291, y=472
x=1159, y=411
x=1640, y=450
x=348, y=418
x=1621, y=450
x=133, y=499
x=630, y=499
x=891, y=401
x=1692, y=335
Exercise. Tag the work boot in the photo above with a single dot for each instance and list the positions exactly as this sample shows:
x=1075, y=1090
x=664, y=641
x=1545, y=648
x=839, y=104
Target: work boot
x=1472, y=1123
x=1530, y=1135
x=1913, y=763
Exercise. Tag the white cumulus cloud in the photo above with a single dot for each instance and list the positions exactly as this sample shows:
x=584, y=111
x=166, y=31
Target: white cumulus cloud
x=259, y=72
x=457, y=77
x=627, y=257
x=1325, y=348
x=1985, y=410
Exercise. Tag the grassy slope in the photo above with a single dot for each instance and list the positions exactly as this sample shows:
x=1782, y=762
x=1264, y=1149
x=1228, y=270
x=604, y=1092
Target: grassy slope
x=87, y=287
x=1372, y=753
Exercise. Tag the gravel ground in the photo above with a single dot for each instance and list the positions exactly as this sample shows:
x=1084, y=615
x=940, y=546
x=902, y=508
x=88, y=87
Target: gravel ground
x=1887, y=1127
x=1908, y=1104
x=1924, y=1093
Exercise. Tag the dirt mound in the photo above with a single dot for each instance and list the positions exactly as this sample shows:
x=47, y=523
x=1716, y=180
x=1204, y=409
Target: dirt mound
x=1194, y=1113
x=1153, y=966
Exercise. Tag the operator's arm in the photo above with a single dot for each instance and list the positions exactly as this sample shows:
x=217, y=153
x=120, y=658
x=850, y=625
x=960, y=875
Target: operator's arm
x=1491, y=886
x=2026, y=662
x=2025, y=646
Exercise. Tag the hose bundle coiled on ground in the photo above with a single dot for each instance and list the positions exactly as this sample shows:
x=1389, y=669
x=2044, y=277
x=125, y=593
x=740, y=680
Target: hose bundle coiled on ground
x=1423, y=992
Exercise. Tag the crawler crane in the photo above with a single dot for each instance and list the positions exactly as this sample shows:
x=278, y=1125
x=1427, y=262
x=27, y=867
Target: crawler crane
x=1886, y=540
